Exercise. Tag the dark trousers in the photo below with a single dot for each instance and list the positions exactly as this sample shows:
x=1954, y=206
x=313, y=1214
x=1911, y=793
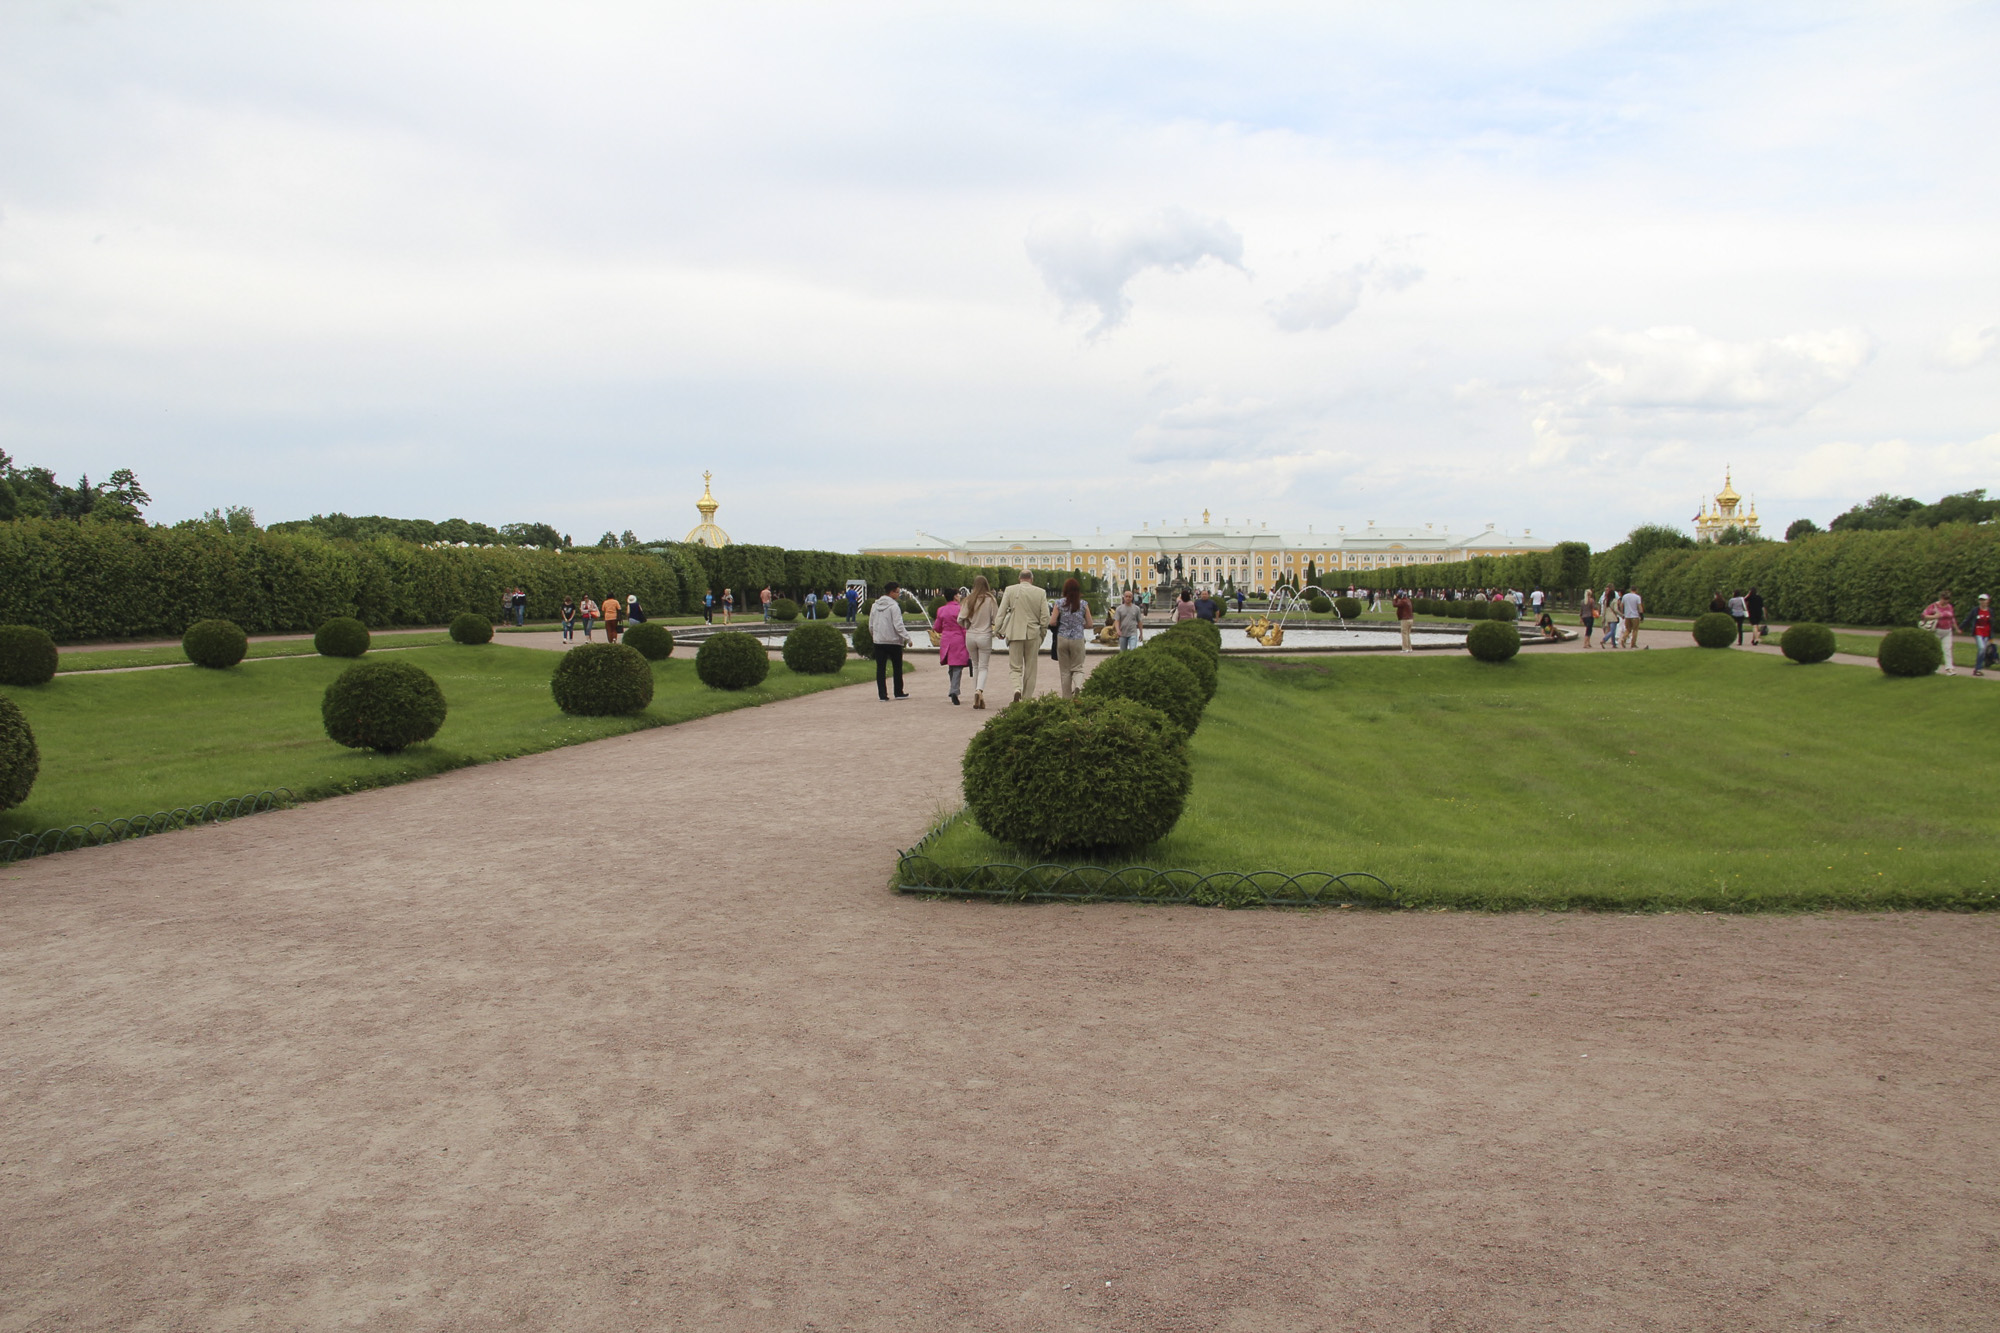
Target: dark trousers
x=887, y=654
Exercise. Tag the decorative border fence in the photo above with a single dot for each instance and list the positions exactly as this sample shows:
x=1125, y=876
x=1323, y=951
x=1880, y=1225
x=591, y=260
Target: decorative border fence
x=100, y=832
x=918, y=872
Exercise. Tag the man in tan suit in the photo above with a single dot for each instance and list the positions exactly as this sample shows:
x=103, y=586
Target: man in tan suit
x=1024, y=615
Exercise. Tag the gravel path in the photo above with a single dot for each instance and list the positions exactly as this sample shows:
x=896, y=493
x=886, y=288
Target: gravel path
x=631, y=1036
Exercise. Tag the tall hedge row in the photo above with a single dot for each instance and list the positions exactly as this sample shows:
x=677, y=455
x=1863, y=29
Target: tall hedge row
x=1566, y=566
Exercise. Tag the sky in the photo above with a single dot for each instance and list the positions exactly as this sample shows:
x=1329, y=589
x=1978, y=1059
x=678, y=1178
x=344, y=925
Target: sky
x=953, y=268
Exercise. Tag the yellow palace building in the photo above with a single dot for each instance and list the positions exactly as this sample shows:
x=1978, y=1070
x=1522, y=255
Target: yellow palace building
x=1253, y=557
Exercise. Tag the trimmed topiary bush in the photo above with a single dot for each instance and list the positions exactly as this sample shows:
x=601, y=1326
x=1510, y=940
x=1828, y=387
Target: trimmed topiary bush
x=1200, y=629
x=732, y=661
x=1320, y=606
x=27, y=656
x=1910, y=652
x=1473, y=610
x=1158, y=680
x=603, y=680
x=214, y=643
x=1493, y=640
x=1077, y=776
x=864, y=641
x=815, y=649
x=1196, y=656
x=654, y=642
x=784, y=608
x=386, y=705
x=1806, y=644
x=20, y=761
x=1502, y=611
x=1349, y=607
x=470, y=628
x=342, y=636
x=1715, y=630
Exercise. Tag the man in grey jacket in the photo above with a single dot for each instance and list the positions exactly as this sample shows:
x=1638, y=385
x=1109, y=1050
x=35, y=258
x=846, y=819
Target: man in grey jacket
x=890, y=634
x=1024, y=615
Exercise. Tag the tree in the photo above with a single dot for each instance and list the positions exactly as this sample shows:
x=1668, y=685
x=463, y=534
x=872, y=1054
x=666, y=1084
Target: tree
x=1569, y=566
x=126, y=488
x=1734, y=536
x=1964, y=507
x=608, y=542
x=531, y=534
x=1882, y=512
x=1800, y=527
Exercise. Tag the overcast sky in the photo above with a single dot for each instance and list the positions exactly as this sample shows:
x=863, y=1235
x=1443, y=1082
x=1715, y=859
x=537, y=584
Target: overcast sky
x=887, y=267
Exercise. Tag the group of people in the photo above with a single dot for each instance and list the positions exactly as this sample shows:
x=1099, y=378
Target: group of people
x=611, y=611
x=1622, y=614
x=1941, y=618
x=1746, y=609
x=972, y=624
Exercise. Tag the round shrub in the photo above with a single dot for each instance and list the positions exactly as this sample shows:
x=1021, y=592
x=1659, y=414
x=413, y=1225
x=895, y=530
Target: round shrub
x=469, y=627
x=343, y=636
x=1715, y=630
x=1910, y=652
x=27, y=656
x=1077, y=776
x=382, y=705
x=1502, y=611
x=784, y=608
x=1158, y=680
x=20, y=761
x=1320, y=605
x=1493, y=640
x=603, y=680
x=732, y=661
x=1201, y=629
x=653, y=642
x=864, y=642
x=1196, y=656
x=214, y=643
x=1349, y=607
x=1473, y=610
x=815, y=649
x=1806, y=644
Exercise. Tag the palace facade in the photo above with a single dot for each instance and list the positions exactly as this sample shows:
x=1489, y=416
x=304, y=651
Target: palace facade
x=1253, y=557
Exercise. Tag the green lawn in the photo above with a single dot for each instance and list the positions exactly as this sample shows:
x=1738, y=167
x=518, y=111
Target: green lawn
x=135, y=742
x=105, y=659
x=1711, y=780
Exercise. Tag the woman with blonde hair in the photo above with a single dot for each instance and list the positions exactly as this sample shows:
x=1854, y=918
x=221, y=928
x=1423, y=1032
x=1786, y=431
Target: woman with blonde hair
x=1070, y=619
x=975, y=616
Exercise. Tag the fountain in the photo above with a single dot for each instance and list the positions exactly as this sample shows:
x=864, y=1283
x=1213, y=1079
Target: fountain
x=1287, y=603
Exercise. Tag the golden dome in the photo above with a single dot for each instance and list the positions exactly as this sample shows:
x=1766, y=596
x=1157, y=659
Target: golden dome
x=1727, y=495
x=705, y=533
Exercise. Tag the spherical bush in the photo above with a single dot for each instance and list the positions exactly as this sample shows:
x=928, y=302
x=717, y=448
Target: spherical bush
x=1195, y=655
x=214, y=643
x=1910, y=652
x=27, y=656
x=1502, y=611
x=1349, y=607
x=343, y=636
x=1157, y=680
x=1077, y=776
x=385, y=704
x=602, y=680
x=1493, y=640
x=784, y=608
x=864, y=641
x=1474, y=610
x=20, y=761
x=1715, y=630
x=469, y=627
x=732, y=661
x=1204, y=630
x=1806, y=644
x=815, y=649
x=1320, y=606
x=654, y=642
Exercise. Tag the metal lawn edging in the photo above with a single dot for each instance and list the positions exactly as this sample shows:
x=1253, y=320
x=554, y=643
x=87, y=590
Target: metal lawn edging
x=918, y=872
x=100, y=832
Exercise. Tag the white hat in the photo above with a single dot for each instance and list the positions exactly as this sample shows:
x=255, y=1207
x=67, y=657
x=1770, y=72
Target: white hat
x=1984, y=598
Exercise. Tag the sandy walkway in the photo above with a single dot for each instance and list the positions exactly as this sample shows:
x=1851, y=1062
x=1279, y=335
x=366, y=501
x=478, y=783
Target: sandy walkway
x=631, y=1036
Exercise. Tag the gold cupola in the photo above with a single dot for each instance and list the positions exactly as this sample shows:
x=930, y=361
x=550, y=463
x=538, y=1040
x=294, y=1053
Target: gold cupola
x=705, y=532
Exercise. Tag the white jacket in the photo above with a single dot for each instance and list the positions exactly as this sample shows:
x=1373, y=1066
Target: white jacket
x=885, y=621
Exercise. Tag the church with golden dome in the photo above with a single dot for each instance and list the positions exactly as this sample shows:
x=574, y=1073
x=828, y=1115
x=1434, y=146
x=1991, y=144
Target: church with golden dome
x=1723, y=514
x=705, y=532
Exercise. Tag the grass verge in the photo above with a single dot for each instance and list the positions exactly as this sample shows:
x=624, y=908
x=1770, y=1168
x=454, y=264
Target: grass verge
x=1684, y=781
x=107, y=659
x=127, y=744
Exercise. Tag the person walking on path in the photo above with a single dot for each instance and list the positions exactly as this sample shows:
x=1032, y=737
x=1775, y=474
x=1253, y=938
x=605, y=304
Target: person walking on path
x=1070, y=619
x=1612, y=621
x=1634, y=608
x=611, y=620
x=1942, y=620
x=589, y=609
x=1406, y=611
x=1239, y=601
x=1184, y=608
x=728, y=605
x=1753, y=606
x=977, y=614
x=708, y=607
x=519, y=598
x=812, y=606
x=1536, y=598
x=951, y=641
x=1130, y=621
x=1587, y=613
x=568, y=613
x=765, y=598
x=890, y=636
x=1739, y=611
x=1982, y=635
x=1024, y=611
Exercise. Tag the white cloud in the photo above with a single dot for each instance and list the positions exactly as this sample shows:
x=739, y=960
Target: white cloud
x=1665, y=383
x=1087, y=263
x=1323, y=304
x=1209, y=427
x=1964, y=348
